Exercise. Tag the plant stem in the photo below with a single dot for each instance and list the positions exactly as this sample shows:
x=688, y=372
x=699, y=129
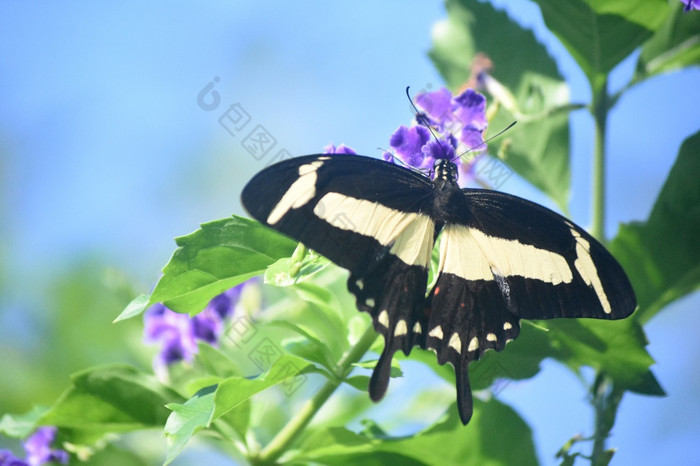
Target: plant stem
x=606, y=400
x=296, y=425
x=600, y=116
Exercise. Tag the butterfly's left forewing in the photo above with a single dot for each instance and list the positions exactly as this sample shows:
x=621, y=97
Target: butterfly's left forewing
x=367, y=216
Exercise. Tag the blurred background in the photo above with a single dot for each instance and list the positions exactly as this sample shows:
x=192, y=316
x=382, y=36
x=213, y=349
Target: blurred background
x=111, y=145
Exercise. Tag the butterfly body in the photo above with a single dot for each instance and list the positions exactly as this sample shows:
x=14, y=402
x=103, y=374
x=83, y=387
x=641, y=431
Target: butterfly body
x=501, y=258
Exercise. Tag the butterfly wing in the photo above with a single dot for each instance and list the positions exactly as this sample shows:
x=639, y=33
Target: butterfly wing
x=548, y=266
x=503, y=258
x=367, y=216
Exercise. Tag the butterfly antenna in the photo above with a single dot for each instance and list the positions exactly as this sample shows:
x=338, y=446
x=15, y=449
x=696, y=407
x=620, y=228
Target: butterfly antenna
x=486, y=140
x=424, y=121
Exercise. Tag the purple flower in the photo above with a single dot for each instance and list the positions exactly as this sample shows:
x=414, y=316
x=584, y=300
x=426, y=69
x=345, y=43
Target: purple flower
x=173, y=331
x=38, y=447
x=463, y=114
x=458, y=123
x=690, y=5
x=7, y=458
x=408, y=142
x=178, y=333
x=470, y=112
x=341, y=149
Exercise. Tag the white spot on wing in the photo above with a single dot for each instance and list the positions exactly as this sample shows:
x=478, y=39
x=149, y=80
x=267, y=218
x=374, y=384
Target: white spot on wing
x=507, y=326
x=491, y=337
x=360, y=284
x=410, y=234
x=472, y=255
x=299, y=193
x=455, y=342
x=370, y=302
x=384, y=318
x=473, y=344
x=417, y=328
x=436, y=332
x=588, y=271
x=401, y=328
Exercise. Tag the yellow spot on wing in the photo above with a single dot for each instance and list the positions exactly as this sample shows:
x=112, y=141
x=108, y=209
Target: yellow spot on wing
x=455, y=342
x=474, y=255
x=409, y=234
x=588, y=271
x=384, y=318
x=436, y=332
x=299, y=193
x=401, y=328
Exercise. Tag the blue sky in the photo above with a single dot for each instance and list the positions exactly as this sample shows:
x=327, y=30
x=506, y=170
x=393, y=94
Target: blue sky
x=104, y=150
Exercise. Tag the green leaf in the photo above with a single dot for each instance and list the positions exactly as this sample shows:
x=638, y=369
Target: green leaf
x=216, y=362
x=218, y=256
x=236, y=390
x=600, y=34
x=309, y=350
x=21, y=425
x=675, y=45
x=360, y=382
x=616, y=348
x=394, y=372
x=134, y=308
x=112, y=398
x=496, y=435
x=322, y=317
x=661, y=256
x=518, y=361
x=187, y=419
x=213, y=402
x=239, y=418
x=537, y=147
x=278, y=274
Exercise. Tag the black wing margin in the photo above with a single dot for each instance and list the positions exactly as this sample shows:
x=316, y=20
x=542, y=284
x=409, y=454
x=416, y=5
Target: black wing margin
x=367, y=216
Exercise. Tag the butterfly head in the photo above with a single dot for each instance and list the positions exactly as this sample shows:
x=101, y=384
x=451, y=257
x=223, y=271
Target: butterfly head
x=445, y=170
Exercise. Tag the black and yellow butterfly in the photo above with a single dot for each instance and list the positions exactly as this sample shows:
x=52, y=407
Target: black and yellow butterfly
x=502, y=258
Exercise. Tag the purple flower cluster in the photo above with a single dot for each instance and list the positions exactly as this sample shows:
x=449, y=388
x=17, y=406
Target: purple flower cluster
x=38, y=448
x=459, y=123
x=178, y=333
x=690, y=5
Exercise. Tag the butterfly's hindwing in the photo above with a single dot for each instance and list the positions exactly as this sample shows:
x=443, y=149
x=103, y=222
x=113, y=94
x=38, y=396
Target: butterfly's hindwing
x=468, y=313
x=466, y=319
x=393, y=293
x=503, y=258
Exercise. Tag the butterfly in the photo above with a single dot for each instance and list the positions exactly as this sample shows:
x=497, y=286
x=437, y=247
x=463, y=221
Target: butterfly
x=501, y=258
